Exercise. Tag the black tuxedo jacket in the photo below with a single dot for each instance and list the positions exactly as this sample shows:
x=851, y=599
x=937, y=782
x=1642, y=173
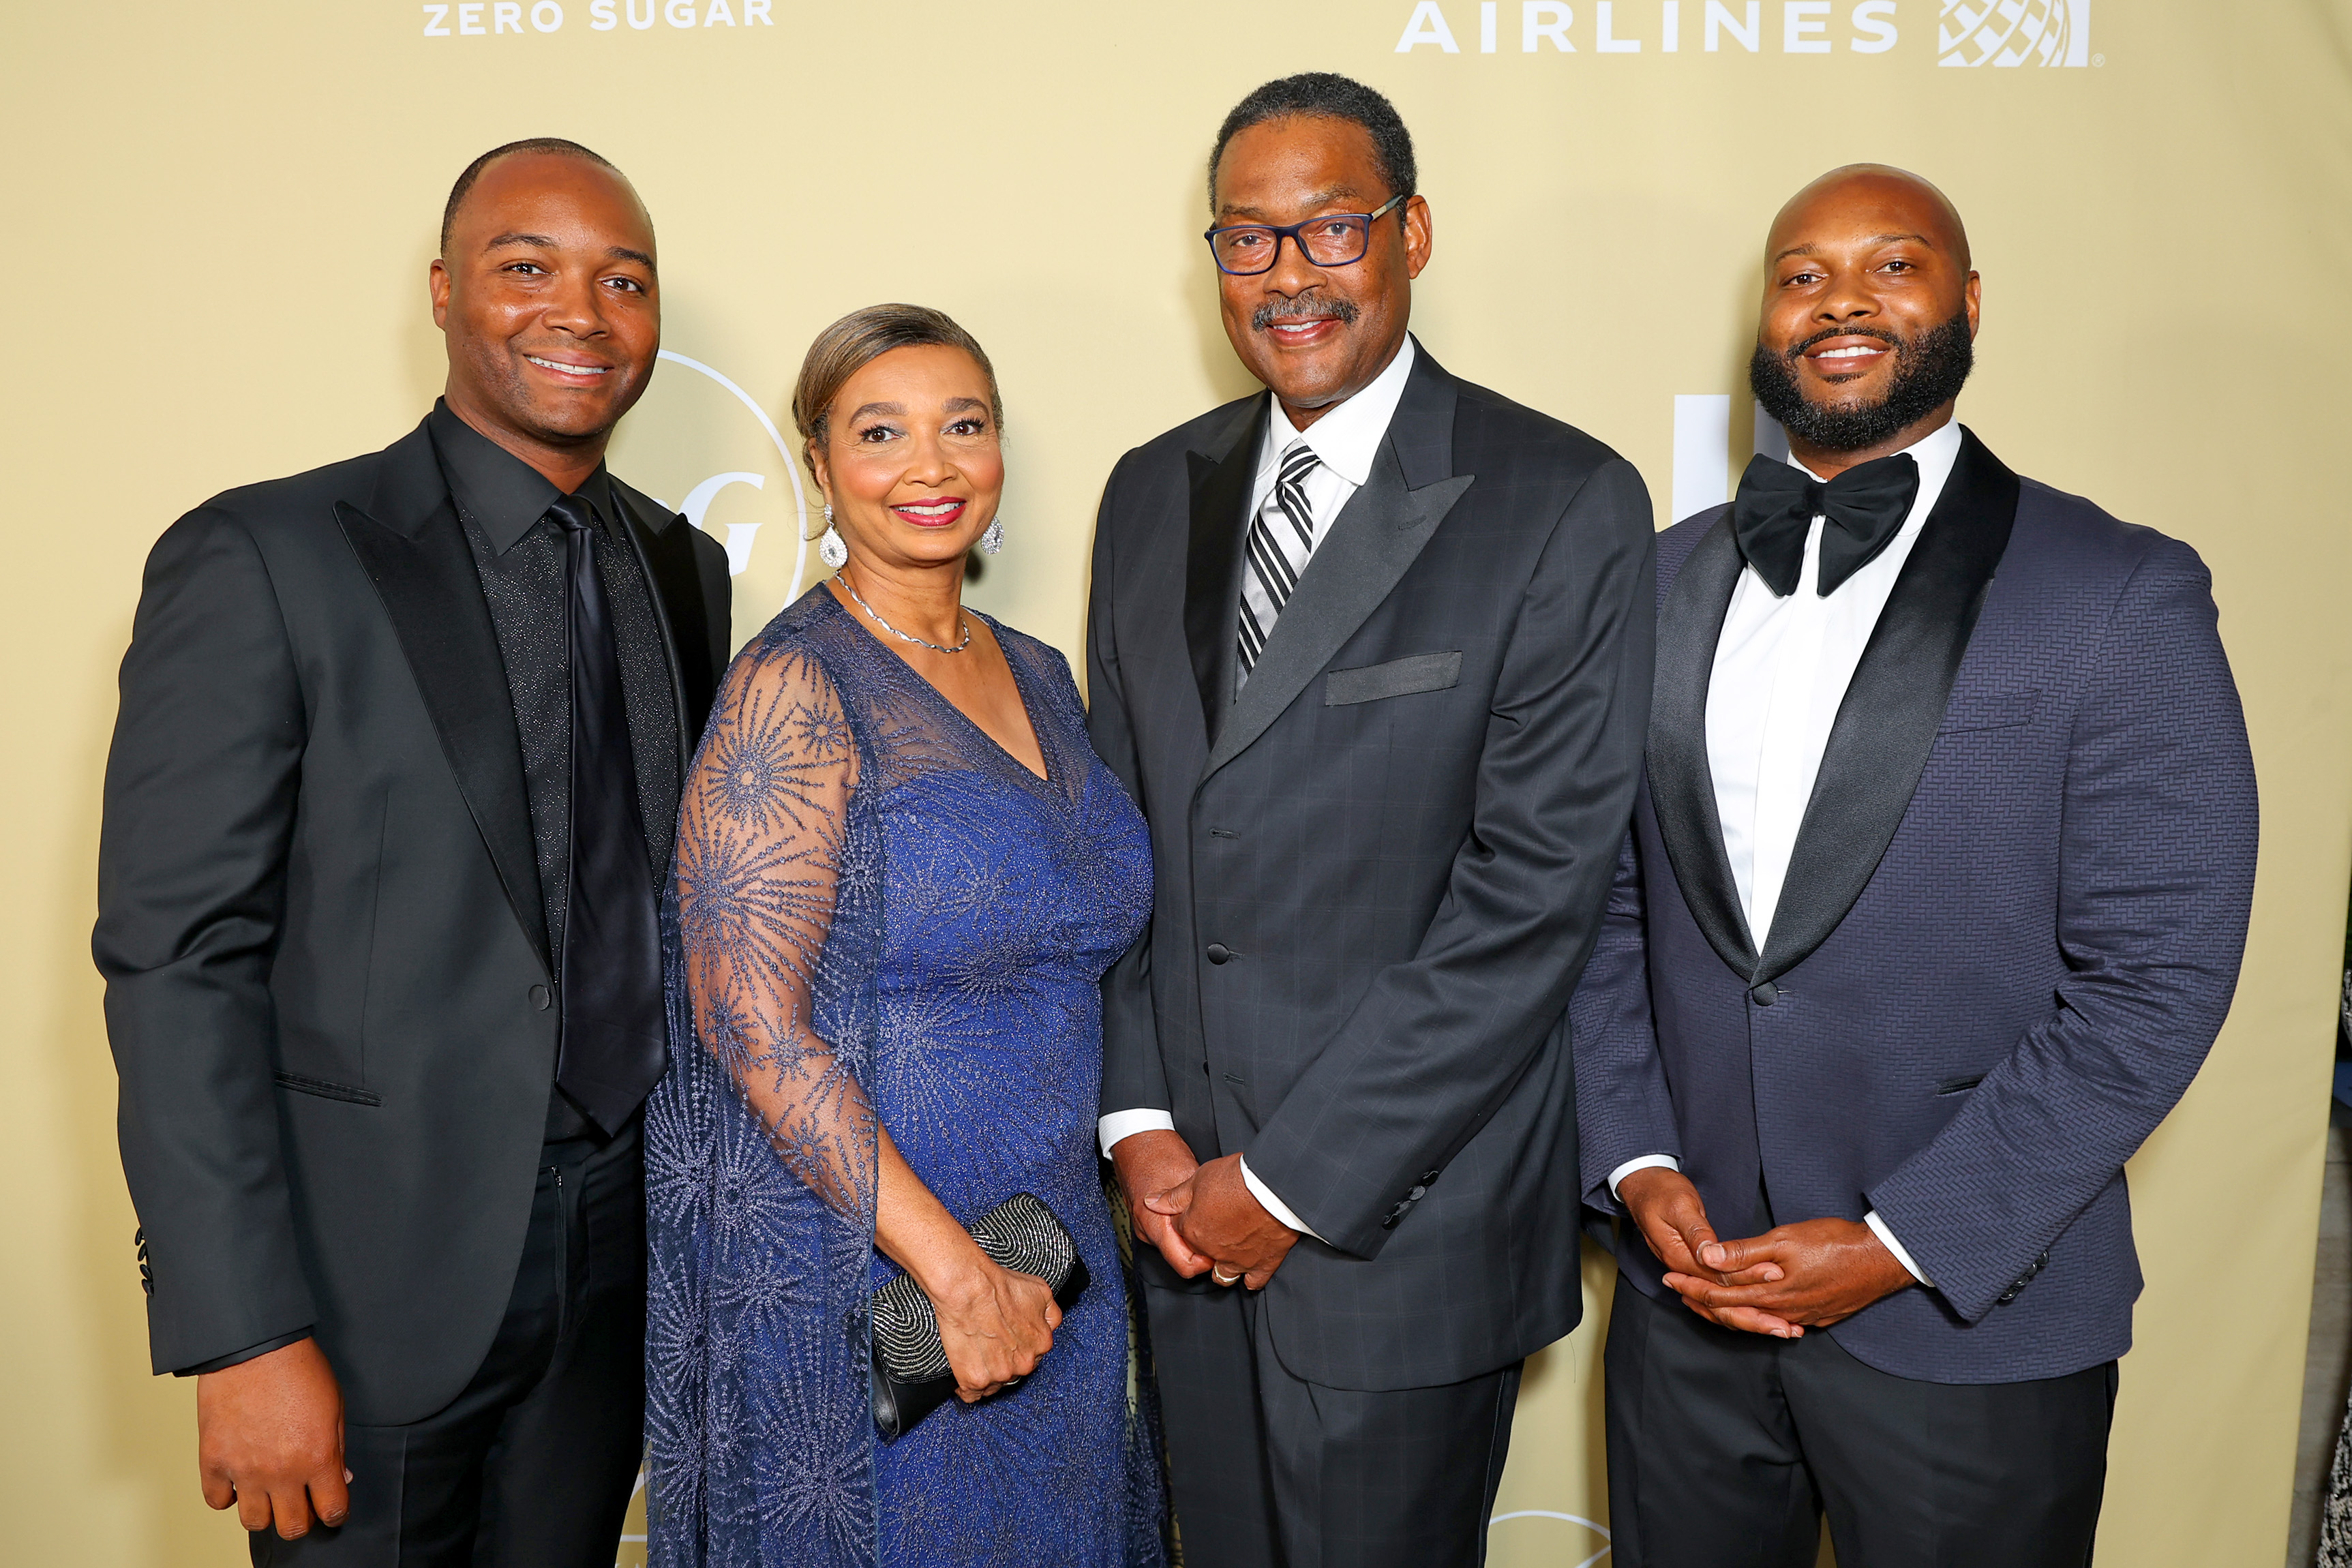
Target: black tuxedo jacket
x=328, y=983
x=1379, y=872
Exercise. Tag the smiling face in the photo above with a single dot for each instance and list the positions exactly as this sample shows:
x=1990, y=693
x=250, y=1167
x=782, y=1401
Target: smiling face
x=548, y=300
x=910, y=461
x=1317, y=335
x=1869, y=309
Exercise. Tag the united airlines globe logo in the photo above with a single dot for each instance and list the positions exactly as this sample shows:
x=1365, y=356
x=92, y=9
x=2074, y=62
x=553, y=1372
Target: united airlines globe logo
x=703, y=444
x=2014, y=33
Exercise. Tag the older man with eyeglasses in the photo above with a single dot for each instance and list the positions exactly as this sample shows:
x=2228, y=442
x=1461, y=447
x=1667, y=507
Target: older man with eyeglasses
x=1374, y=651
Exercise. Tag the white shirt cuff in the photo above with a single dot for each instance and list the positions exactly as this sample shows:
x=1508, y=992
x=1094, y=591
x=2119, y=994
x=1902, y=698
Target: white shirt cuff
x=1886, y=1240
x=1120, y=1124
x=1646, y=1162
x=1274, y=1205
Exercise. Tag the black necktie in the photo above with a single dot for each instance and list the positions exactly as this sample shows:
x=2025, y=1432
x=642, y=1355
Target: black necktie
x=1778, y=502
x=614, y=1041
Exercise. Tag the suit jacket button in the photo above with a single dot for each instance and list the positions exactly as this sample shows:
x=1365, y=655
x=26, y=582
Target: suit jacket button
x=1427, y=1177
x=541, y=998
x=1219, y=953
x=1765, y=994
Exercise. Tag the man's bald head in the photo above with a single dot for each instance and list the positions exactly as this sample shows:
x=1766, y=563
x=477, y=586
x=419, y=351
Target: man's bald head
x=1910, y=204
x=551, y=146
x=1869, y=316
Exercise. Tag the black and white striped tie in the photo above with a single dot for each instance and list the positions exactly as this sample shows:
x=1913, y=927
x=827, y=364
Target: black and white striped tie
x=1281, y=538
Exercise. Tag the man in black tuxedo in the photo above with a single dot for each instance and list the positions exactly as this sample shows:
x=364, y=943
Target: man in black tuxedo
x=392, y=785
x=1934, y=904
x=1374, y=651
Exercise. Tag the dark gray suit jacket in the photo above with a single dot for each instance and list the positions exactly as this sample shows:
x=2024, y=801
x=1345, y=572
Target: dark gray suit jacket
x=319, y=923
x=2011, y=928
x=1379, y=870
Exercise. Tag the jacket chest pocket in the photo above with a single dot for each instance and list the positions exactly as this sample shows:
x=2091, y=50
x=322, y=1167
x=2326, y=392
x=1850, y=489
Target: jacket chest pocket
x=1397, y=677
x=1989, y=710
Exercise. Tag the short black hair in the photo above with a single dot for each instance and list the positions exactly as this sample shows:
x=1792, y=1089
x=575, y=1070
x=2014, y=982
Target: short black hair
x=555, y=145
x=1332, y=97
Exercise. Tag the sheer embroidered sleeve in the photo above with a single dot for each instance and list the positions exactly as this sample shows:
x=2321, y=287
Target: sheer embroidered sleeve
x=764, y=847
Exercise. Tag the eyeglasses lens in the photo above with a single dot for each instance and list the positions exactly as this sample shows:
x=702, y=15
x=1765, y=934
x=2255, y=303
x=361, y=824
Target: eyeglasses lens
x=1328, y=242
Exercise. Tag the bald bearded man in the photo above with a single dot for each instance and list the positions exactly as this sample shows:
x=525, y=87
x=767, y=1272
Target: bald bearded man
x=1933, y=905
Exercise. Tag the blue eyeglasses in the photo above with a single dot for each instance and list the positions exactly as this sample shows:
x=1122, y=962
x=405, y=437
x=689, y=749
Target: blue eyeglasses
x=1334, y=239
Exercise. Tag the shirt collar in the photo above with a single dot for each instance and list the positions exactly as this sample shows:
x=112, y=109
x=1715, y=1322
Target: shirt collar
x=1935, y=452
x=1348, y=437
x=503, y=494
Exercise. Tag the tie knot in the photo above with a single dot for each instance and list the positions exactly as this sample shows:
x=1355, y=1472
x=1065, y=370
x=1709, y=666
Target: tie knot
x=575, y=513
x=1297, y=458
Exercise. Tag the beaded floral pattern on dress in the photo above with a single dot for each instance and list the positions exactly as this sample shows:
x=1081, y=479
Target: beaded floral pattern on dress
x=878, y=917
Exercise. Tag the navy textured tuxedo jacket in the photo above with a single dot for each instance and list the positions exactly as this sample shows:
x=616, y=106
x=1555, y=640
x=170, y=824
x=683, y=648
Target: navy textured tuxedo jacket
x=2009, y=933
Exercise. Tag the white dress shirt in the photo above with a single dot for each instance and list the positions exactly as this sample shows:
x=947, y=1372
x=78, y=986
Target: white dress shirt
x=1781, y=668
x=1345, y=441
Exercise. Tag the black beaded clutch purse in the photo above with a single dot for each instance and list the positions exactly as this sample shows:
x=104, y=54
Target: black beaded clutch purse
x=911, y=1375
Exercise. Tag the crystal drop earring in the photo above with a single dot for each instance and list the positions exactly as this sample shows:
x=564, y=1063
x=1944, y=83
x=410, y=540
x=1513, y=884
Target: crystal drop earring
x=829, y=548
x=991, y=538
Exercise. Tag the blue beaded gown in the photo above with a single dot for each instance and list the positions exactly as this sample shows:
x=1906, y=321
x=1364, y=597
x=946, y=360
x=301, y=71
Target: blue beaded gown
x=876, y=913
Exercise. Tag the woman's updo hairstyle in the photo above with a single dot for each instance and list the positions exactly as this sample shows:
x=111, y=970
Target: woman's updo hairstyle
x=856, y=341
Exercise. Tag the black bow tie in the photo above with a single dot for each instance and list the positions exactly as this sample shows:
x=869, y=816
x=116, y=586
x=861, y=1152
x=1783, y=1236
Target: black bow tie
x=1777, y=504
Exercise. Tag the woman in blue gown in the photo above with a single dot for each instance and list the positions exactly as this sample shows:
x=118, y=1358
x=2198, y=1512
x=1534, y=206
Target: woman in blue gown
x=901, y=872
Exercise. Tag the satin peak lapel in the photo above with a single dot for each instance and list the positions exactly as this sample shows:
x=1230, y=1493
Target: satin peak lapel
x=425, y=574
x=1681, y=781
x=1212, y=562
x=1375, y=538
x=1887, y=725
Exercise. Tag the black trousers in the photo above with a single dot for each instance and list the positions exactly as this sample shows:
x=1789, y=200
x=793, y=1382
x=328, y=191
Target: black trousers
x=532, y=1465
x=1725, y=1449
x=1271, y=1472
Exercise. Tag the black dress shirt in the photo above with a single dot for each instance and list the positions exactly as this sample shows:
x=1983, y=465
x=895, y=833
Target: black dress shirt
x=521, y=555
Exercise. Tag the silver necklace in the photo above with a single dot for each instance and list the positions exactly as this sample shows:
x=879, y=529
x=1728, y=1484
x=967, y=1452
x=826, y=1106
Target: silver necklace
x=906, y=636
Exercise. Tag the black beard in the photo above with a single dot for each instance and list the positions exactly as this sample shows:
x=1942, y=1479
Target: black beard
x=1929, y=370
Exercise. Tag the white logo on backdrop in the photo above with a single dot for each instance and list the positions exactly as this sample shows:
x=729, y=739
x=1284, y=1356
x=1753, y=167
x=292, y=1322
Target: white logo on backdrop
x=741, y=535
x=1703, y=450
x=1598, y=1529
x=2014, y=33
x=487, y=19
x=1967, y=33
x=1664, y=27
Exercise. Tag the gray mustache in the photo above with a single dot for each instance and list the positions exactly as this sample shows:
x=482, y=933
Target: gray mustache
x=1306, y=307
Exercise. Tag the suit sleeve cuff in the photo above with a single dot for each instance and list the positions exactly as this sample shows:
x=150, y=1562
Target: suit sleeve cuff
x=238, y=1358
x=1886, y=1240
x=1273, y=1205
x=1646, y=1162
x=1120, y=1124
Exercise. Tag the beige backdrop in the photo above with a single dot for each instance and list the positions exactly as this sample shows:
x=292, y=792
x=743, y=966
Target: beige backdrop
x=222, y=215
